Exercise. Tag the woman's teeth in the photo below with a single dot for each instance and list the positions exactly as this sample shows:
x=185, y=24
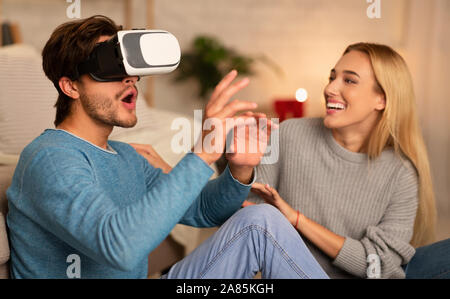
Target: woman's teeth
x=336, y=106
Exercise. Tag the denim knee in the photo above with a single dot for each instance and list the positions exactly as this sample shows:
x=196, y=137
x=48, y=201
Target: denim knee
x=260, y=214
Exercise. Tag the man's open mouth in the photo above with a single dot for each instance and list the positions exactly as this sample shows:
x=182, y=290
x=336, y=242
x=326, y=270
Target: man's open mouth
x=128, y=99
x=130, y=96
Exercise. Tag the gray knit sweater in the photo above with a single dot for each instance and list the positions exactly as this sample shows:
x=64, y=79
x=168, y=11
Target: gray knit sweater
x=373, y=205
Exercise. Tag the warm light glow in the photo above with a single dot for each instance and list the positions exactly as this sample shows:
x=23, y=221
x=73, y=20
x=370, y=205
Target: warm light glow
x=301, y=95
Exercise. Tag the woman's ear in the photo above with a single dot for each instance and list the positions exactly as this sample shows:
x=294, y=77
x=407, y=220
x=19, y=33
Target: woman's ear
x=381, y=102
x=69, y=87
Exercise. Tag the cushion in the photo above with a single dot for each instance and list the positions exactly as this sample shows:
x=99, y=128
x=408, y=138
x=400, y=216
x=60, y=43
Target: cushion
x=6, y=174
x=154, y=127
x=26, y=98
x=4, y=248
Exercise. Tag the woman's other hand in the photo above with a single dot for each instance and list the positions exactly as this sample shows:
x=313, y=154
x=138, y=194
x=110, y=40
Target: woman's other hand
x=271, y=196
x=149, y=153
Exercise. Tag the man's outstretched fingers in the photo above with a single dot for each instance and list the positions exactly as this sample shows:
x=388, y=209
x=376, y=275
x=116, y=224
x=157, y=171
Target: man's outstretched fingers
x=232, y=90
x=234, y=107
x=217, y=104
x=223, y=84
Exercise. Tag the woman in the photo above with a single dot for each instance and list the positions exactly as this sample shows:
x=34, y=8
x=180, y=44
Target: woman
x=356, y=184
x=359, y=177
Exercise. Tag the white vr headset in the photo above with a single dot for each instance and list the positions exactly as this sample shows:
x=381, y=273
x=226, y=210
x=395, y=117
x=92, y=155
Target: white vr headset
x=132, y=53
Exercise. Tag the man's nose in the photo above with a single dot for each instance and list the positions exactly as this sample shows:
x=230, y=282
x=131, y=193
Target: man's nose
x=130, y=80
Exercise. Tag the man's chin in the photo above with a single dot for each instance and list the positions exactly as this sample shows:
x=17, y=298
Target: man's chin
x=126, y=124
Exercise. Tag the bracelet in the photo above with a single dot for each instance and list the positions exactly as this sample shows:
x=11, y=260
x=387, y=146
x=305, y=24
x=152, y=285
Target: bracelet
x=296, y=222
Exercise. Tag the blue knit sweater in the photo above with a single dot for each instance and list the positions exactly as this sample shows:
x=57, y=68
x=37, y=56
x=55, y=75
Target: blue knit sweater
x=110, y=208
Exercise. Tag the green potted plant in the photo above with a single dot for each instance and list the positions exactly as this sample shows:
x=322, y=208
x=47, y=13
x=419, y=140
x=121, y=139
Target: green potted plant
x=209, y=61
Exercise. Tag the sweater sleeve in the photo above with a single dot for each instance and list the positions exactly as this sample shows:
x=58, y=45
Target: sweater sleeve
x=220, y=199
x=385, y=247
x=66, y=200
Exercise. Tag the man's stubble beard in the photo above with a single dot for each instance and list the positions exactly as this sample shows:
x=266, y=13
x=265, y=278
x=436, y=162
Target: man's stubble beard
x=100, y=109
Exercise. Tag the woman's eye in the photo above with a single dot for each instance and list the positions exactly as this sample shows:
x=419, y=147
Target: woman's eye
x=330, y=79
x=349, y=81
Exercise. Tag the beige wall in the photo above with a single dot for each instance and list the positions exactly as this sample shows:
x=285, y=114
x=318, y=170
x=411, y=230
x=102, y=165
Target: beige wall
x=428, y=52
x=304, y=37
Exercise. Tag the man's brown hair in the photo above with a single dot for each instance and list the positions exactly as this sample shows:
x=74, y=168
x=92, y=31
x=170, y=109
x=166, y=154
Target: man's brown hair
x=70, y=44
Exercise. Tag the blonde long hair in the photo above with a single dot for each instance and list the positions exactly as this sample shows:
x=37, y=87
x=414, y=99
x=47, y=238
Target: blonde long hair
x=398, y=127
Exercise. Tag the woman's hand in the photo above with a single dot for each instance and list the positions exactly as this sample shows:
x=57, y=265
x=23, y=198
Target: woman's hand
x=271, y=196
x=147, y=151
x=326, y=240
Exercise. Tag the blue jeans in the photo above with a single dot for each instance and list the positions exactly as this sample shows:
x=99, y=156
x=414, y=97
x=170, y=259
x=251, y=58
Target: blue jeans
x=256, y=238
x=259, y=238
x=432, y=261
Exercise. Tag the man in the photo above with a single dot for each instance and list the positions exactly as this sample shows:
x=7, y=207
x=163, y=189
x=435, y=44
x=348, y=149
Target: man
x=78, y=197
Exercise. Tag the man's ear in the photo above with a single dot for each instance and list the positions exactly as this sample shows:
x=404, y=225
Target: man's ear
x=69, y=87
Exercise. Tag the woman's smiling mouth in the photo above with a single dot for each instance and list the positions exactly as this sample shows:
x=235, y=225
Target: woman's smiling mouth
x=334, y=106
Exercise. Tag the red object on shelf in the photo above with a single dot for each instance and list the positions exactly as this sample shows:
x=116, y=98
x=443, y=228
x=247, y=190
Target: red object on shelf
x=288, y=108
